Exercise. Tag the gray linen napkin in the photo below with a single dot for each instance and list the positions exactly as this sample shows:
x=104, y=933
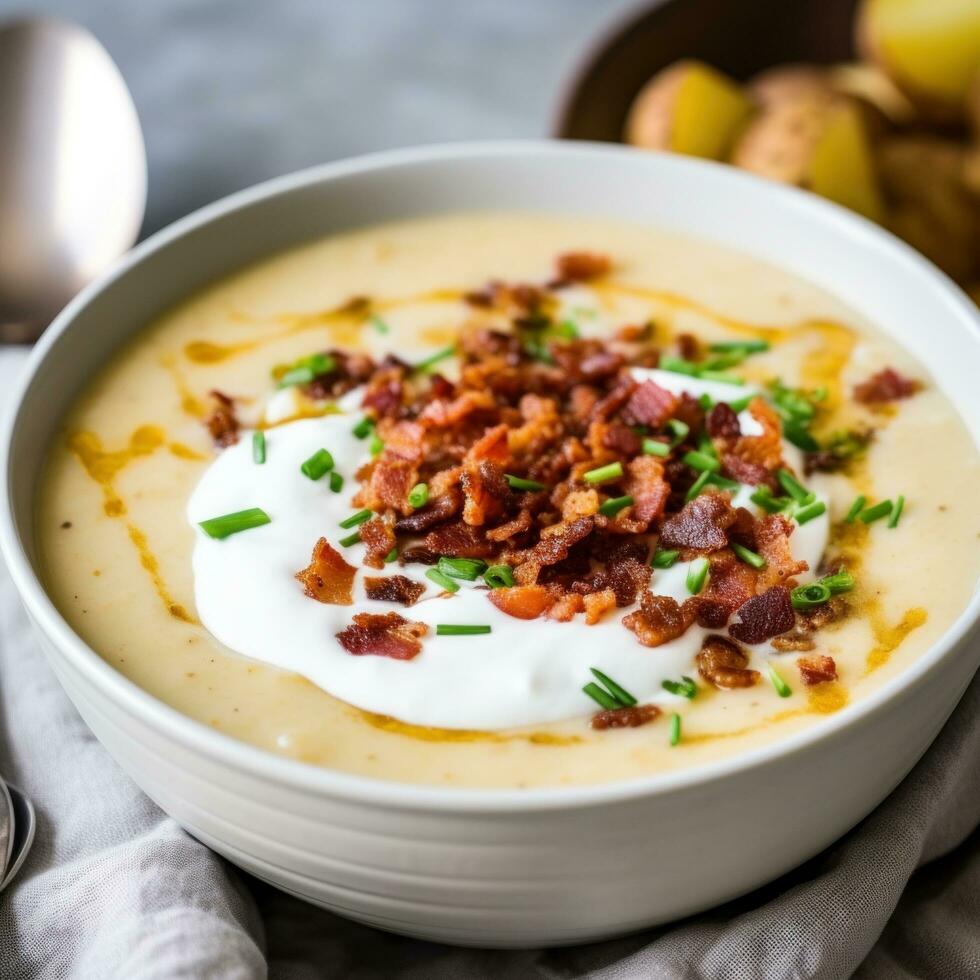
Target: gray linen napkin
x=115, y=889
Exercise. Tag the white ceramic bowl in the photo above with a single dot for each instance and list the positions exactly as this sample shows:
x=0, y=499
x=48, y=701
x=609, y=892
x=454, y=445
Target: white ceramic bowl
x=505, y=868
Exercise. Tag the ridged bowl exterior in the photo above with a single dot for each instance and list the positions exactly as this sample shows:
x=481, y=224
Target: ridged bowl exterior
x=504, y=868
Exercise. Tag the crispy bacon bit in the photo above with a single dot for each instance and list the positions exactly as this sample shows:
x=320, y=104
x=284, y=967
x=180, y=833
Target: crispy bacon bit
x=565, y=608
x=394, y=588
x=688, y=346
x=222, y=422
x=764, y=616
x=378, y=536
x=659, y=620
x=795, y=639
x=388, y=635
x=724, y=664
x=597, y=604
x=438, y=511
x=885, y=386
x=484, y=490
x=328, y=578
x=639, y=714
x=649, y=404
x=580, y=503
x=582, y=266
x=722, y=423
x=701, y=525
x=442, y=414
x=511, y=529
x=730, y=582
x=556, y=541
x=522, y=601
x=765, y=449
x=645, y=483
x=817, y=670
x=457, y=540
x=772, y=542
x=744, y=471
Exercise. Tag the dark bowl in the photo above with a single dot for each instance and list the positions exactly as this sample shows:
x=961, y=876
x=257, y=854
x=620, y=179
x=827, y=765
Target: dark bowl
x=741, y=37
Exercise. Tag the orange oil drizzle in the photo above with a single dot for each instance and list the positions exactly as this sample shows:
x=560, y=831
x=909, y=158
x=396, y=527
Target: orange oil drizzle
x=344, y=323
x=103, y=466
x=425, y=733
x=888, y=638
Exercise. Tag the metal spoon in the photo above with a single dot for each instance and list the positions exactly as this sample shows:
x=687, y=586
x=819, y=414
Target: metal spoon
x=25, y=823
x=6, y=829
x=72, y=169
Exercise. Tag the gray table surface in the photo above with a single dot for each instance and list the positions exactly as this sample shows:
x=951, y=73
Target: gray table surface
x=231, y=92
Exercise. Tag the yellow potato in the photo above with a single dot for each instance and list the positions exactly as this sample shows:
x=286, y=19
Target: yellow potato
x=821, y=144
x=929, y=48
x=791, y=83
x=688, y=108
x=873, y=87
x=932, y=206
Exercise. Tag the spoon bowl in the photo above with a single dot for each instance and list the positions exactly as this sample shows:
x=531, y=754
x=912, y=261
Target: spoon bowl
x=72, y=169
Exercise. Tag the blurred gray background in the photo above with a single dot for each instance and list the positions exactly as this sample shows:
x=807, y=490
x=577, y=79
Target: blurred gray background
x=230, y=92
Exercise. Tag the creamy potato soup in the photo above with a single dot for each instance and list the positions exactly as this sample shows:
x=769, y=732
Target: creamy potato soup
x=509, y=501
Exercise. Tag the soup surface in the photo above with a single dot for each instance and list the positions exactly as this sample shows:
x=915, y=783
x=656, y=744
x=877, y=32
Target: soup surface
x=527, y=501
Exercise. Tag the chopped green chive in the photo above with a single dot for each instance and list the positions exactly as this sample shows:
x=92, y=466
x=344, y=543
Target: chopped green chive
x=654, y=447
x=677, y=365
x=698, y=485
x=799, y=437
x=363, y=428
x=680, y=430
x=856, y=509
x=782, y=688
x=306, y=369
x=465, y=568
x=619, y=693
x=697, y=572
x=701, y=461
x=840, y=581
x=418, y=496
x=442, y=580
x=879, y=510
x=748, y=556
x=519, y=483
x=614, y=505
x=499, y=576
x=810, y=596
x=723, y=482
x=240, y=520
x=600, y=697
x=729, y=379
x=763, y=498
x=351, y=539
x=318, y=465
x=810, y=511
x=358, y=518
x=380, y=325
x=792, y=486
x=663, y=558
x=336, y=481
x=739, y=346
x=675, y=729
x=258, y=446
x=433, y=359
x=568, y=330
x=706, y=402
x=741, y=404
x=603, y=474
x=391, y=556
x=376, y=445
x=685, y=687
x=897, y=512
x=446, y=629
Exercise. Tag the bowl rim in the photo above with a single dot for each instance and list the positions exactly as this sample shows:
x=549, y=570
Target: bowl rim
x=331, y=784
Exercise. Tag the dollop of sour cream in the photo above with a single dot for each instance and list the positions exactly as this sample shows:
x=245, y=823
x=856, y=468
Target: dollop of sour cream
x=521, y=674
